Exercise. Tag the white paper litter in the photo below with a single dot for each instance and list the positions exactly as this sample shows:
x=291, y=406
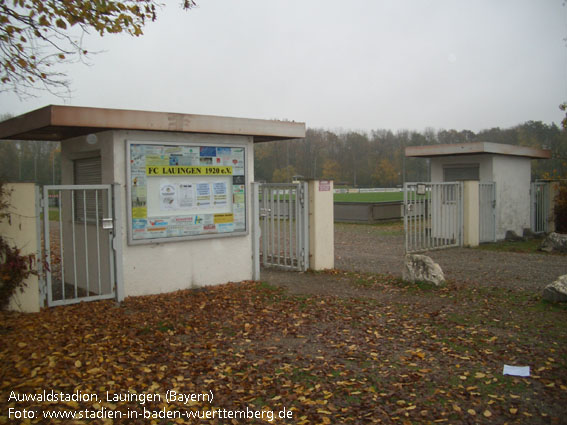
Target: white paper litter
x=523, y=371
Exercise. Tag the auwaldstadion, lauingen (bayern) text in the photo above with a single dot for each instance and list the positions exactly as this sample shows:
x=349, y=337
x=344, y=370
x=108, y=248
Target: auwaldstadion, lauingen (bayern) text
x=52, y=398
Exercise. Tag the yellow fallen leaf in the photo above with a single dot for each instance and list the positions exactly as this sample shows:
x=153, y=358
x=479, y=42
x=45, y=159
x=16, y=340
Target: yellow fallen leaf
x=487, y=413
x=78, y=363
x=471, y=412
x=479, y=375
x=456, y=408
x=513, y=411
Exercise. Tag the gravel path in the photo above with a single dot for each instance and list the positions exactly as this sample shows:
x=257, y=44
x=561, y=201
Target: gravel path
x=380, y=249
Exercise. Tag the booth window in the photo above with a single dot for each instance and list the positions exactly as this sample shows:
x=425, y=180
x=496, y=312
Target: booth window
x=460, y=173
x=87, y=171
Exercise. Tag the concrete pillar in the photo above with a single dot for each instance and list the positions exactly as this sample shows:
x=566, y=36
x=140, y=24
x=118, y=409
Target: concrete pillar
x=471, y=213
x=321, y=225
x=21, y=229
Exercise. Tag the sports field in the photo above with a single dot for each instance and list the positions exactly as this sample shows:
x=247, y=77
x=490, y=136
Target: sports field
x=369, y=197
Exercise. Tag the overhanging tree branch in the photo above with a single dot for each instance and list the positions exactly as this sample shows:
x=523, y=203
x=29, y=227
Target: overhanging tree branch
x=37, y=35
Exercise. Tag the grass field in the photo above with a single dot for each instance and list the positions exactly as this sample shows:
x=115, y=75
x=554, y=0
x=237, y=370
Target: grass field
x=369, y=197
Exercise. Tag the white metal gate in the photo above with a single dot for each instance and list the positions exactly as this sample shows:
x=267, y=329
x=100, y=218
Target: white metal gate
x=487, y=212
x=281, y=218
x=433, y=215
x=79, y=223
x=540, y=207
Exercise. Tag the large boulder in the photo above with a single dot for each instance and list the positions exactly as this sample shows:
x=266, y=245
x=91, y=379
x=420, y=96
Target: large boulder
x=556, y=242
x=556, y=292
x=421, y=268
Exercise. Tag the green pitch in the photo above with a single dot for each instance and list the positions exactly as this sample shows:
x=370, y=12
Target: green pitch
x=369, y=197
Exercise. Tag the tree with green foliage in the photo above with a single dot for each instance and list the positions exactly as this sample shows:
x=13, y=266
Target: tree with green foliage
x=35, y=35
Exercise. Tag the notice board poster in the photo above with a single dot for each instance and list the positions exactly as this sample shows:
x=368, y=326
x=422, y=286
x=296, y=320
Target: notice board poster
x=178, y=191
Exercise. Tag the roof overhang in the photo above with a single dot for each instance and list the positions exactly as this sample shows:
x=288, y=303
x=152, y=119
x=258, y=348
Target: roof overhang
x=55, y=123
x=476, y=148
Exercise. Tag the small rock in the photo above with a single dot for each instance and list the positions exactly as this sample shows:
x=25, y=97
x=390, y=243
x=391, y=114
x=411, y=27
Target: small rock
x=512, y=236
x=554, y=242
x=421, y=268
x=556, y=292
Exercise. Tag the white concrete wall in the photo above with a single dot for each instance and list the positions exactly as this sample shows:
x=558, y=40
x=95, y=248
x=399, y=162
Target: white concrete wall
x=484, y=162
x=166, y=267
x=512, y=176
x=19, y=230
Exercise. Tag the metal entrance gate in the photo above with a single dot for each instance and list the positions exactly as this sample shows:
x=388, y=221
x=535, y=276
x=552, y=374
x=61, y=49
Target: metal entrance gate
x=281, y=219
x=433, y=215
x=78, y=239
x=487, y=212
x=540, y=207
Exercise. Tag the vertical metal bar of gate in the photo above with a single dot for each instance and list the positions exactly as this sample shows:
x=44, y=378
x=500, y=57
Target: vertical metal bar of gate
x=97, y=243
x=73, y=221
x=256, y=232
x=86, y=244
x=61, y=251
x=46, y=242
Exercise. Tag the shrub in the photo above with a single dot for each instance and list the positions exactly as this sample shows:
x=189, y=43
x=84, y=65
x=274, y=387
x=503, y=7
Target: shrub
x=560, y=208
x=15, y=268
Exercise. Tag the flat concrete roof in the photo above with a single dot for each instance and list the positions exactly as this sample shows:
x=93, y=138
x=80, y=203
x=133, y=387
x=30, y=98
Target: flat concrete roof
x=476, y=148
x=55, y=122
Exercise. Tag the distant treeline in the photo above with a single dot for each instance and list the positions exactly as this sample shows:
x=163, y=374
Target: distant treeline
x=27, y=161
x=376, y=159
x=350, y=158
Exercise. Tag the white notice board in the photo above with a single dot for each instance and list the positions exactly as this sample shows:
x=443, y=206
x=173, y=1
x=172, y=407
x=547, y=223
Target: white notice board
x=179, y=191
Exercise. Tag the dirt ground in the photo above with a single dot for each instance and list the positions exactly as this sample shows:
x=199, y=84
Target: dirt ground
x=380, y=249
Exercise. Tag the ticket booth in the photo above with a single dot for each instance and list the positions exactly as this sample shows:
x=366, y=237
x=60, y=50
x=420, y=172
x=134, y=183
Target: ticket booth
x=503, y=173
x=149, y=202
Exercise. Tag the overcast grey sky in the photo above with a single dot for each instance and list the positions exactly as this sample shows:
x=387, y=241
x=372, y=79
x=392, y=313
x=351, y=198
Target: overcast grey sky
x=359, y=64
